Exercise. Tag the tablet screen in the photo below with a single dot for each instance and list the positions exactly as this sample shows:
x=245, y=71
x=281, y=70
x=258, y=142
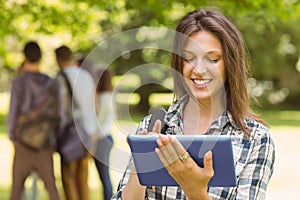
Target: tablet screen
x=151, y=171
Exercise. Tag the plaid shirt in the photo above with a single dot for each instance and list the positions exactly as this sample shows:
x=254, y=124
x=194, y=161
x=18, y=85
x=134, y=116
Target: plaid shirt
x=254, y=158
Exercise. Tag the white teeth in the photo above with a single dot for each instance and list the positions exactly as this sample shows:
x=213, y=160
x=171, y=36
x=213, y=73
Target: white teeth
x=201, y=82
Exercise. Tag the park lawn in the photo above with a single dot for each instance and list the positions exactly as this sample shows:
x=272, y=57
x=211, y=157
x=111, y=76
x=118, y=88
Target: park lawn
x=272, y=117
x=281, y=118
x=2, y=123
x=276, y=119
x=42, y=195
x=5, y=174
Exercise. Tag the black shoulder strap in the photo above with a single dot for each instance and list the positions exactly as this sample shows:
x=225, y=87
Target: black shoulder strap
x=68, y=86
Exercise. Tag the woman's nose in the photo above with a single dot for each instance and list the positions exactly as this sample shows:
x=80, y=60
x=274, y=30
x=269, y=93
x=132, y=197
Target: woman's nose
x=200, y=66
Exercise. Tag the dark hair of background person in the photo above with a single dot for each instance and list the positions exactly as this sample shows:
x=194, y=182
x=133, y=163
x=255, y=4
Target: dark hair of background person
x=104, y=83
x=85, y=63
x=32, y=52
x=64, y=53
x=80, y=61
x=235, y=56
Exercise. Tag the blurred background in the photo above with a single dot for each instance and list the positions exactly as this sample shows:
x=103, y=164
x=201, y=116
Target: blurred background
x=270, y=28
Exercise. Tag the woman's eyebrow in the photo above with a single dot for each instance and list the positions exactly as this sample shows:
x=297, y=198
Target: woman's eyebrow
x=214, y=52
x=211, y=53
x=187, y=51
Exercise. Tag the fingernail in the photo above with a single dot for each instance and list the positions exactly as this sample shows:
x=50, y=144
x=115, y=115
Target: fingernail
x=207, y=154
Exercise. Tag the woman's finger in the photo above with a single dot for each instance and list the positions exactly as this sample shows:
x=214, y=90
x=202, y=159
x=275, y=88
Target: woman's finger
x=167, y=149
x=208, y=164
x=161, y=157
x=180, y=150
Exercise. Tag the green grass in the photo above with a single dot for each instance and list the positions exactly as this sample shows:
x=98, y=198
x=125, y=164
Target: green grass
x=2, y=118
x=95, y=188
x=4, y=192
x=2, y=124
x=281, y=118
x=275, y=119
x=42, y=195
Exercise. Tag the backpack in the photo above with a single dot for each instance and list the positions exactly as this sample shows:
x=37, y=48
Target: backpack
x=37, y=129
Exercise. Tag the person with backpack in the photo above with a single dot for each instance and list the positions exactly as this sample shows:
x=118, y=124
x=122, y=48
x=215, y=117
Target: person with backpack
x=27, y=93
x=77, y=90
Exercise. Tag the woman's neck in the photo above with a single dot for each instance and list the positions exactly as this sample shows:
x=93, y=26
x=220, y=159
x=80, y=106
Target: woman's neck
x=198, y=116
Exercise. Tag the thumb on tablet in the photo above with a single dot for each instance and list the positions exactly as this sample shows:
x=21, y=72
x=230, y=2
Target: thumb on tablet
x=208, y=164
x=157, y=126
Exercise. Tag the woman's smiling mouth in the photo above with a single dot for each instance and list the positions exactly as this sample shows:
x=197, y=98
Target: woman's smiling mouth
x=201, y=83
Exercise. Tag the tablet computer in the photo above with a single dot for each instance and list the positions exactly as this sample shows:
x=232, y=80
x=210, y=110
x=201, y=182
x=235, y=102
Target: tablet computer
x=151, y=171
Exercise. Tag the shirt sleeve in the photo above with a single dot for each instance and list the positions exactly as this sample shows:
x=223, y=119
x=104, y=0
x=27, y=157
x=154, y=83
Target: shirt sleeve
x=258, y=169
x=84, y=93
x=13, y=109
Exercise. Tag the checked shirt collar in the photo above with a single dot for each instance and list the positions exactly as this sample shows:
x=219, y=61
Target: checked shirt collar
x=174, y=119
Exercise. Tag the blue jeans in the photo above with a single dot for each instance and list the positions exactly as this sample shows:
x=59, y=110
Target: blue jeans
x=101, y=159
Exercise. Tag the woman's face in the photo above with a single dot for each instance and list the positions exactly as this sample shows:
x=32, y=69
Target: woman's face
x=203, y=66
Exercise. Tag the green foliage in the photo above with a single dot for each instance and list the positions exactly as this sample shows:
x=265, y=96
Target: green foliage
x=269, y=27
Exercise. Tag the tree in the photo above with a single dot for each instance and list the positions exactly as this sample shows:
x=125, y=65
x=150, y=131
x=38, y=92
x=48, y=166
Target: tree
x=84, y=24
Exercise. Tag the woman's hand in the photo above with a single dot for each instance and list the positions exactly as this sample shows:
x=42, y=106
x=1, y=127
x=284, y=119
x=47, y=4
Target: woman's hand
x=185, y=171
x=155, y=130
x=133, y=189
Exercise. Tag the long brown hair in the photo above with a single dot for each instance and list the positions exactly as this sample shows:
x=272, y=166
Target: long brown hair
x=105, y=82
x=235, y=55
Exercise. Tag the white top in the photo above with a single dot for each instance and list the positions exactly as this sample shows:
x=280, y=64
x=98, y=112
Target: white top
x=106, y=113
x=83, y=92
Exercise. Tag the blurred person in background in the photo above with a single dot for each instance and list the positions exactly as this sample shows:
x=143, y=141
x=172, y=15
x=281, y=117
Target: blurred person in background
x=106, y=114
x=88, y=65
x=26, y=88
x=75, y=173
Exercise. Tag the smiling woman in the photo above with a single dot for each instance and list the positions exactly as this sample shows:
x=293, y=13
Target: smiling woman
x=210, y=81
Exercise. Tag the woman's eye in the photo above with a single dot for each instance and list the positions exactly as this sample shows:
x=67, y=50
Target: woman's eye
x=213, y=60
x=189, y=59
